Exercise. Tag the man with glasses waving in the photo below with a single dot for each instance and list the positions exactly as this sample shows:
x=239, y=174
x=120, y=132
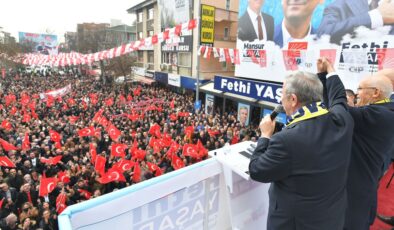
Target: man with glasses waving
x=372, y=139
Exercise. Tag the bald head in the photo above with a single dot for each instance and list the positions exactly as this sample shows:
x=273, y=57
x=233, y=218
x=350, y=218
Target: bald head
x=374, y=88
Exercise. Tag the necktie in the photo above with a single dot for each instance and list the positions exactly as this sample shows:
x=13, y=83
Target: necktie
x=29, y=197
x=260, y=29
x=374, y=4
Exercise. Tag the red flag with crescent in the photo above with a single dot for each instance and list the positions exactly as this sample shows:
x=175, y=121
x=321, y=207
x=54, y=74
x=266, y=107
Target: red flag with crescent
x=176, y=162
x=61, y=202
x=86, y=132
x=113, y=174
x=51, y=160
x=118, y=150
x=137, y=173
x=93, y=153
x=113, y=132
x=7, y=146
x=55, y=136
x=100, y=164
x=26, y=142
x=6, y=162
x=6, y=125
x=47, y=185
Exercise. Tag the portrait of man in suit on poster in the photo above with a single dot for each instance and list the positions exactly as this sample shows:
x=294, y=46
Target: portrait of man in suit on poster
x=254, y=24
x=344, y=16
x=297, y=21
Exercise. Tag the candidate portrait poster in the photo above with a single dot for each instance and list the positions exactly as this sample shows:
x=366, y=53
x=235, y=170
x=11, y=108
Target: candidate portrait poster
x=243, y=114
x=209, y=104
x=41, y=43
x=276, y=36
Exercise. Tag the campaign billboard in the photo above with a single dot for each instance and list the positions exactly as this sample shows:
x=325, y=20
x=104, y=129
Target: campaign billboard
x=41, y=43
x=279, y=36
x=209, y=104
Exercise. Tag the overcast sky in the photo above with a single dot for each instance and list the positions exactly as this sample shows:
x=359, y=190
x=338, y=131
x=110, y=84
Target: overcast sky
x=57, y=17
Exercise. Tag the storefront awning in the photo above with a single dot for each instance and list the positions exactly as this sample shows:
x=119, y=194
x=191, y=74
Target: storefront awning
x=267, y=103
x=144, y=79
x=209, y=88
x=239, y=97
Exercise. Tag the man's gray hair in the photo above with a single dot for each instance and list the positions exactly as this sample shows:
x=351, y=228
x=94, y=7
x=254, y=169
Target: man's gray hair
x=306, y=86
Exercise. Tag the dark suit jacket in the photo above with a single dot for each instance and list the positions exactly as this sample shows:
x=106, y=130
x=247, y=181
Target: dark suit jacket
x=372, y=139
x=246, y=30
x=278, y=36
x=14, y=194
x=343, y=16
x=307, y=164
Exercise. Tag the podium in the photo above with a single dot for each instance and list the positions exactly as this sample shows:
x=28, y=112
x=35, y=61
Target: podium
x=248, y=200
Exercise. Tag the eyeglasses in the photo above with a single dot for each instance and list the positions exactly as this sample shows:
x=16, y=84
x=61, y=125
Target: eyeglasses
x=361, y=88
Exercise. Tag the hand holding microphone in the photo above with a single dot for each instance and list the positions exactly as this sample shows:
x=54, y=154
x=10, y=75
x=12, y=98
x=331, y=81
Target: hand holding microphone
x=268, y=124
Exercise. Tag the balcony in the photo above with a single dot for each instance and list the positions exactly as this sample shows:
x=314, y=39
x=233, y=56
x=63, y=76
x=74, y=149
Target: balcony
x=225, y=15
x=221, y=37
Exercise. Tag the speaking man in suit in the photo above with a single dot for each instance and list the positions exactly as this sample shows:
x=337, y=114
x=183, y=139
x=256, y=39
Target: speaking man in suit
x=343, y=16
x=307, y=161
x=254, y=24
x=372, y=139
x=296, y=24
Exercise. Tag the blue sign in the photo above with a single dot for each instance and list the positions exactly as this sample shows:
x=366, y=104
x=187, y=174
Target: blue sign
x=282, y=118
x=190, y=83
x=254, y=89
x=197, y=105
x=161, y=77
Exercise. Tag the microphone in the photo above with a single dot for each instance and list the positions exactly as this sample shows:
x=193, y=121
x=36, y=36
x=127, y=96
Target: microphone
x=278, y=109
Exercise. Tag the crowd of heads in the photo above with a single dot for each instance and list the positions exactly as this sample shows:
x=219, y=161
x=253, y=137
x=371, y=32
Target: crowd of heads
x=23, y=207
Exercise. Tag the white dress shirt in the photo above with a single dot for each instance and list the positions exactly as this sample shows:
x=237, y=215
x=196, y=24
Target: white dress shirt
x=253, y=16
x=287, y=37
x=376, y=17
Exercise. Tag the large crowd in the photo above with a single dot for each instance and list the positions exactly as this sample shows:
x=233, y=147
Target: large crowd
x=74, y=138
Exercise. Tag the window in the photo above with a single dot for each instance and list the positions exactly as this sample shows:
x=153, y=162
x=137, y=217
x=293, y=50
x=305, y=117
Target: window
x=224, y=65
x=150, y=33
x=150, y=13
x=225, y=33
x=151, y=57
x=165, y=58
x=139, y=35
x=139, y=16
x=227, y=4
x=140, y=56
x=185, y=59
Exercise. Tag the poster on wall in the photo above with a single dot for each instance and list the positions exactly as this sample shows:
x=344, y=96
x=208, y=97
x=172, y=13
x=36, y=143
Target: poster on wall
x=288, y=35
x=207, y=25
x=41, y=43
x=209, y=104
x=243, y=114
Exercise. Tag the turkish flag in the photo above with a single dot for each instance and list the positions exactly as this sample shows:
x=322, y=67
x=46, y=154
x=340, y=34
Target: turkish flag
x=55, y=136
x=152, y=167
x=137, y=173
x=212, y=133
x=98, y=115
x=7, y=146
x=58, y=145
x=155, y=130
x=172, y=104
x=62, y=176
x=26, y=118
x=176, y=162
x=139, y=154
x=85, y=193
x=190, y=150
x=104, y=122
x=112, y=175
x=178, y=30
x=51, y=160
x=100, y=164
x=192, y=24
x=86, y=132
x=173, y=117
x=137, y=92
x=129, y=97
x=26, y=142
x=13, y=110
x=202, y=151
x=109, y=102
x=183, y=114
x=124, y=165
x=133, y=117
x=113, y=132
x=166, y=34
x=189, y=131
x=6, y=162
x=61, y=202
x=154, y=39
x=6, y=125
x=93, y=153
x=47, y=185
x=73, y=119
x=34, y=114
x=118, y=150
x=97, y=133
x=71, y=102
